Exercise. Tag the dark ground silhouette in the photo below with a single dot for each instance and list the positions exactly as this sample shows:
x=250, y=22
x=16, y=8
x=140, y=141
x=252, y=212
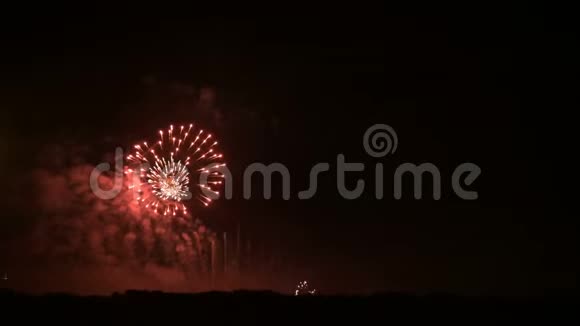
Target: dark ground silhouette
x=137, y=307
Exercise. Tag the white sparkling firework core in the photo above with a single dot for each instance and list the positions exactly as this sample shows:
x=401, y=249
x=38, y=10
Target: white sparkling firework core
x=169, y=180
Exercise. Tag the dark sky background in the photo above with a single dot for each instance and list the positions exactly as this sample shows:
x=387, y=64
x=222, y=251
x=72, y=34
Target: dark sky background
x=494, y=86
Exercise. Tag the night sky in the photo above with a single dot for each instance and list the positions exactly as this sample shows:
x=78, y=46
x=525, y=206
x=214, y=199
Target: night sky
x=491, y=86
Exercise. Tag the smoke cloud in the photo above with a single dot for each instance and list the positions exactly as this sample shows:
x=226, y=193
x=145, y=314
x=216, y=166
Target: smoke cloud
x=99, y=245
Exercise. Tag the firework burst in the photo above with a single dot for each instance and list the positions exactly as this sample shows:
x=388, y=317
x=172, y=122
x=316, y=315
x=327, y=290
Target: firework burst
x=164, y=169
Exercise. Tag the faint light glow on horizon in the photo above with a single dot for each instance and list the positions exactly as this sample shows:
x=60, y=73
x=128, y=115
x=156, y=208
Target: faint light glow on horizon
x=304, y=289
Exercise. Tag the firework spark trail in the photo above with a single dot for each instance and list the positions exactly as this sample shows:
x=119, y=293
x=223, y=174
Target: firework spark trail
x=164, y=169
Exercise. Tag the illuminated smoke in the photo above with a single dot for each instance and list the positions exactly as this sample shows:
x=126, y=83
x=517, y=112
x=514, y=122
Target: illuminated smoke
x=118, y=242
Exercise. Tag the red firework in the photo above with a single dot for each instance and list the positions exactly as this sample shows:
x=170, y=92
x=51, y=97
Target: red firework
x=166, y=172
